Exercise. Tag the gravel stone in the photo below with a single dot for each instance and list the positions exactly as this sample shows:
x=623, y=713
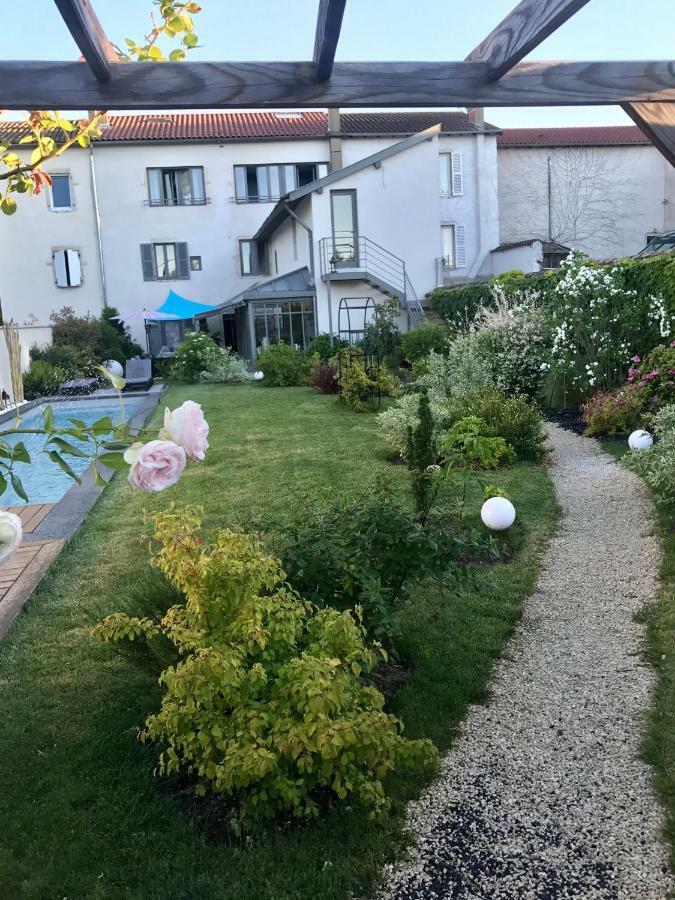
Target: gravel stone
x=544, y=795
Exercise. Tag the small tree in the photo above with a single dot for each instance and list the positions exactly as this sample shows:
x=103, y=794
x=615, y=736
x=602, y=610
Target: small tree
x=421, y=457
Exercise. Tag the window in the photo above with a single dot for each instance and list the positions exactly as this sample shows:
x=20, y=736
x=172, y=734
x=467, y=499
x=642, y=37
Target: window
x=345, y=228
x=452, y=174
x=553, y=260
x=165, y=261
x=252, y=258
x=262, y=184
x=176, y=187
x=67, y=268
x=453, y=246
x=195, y=263
x=291, y=321
x=60, y=194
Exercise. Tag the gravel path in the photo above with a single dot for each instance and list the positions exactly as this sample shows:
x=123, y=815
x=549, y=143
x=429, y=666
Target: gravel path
x=544, y=795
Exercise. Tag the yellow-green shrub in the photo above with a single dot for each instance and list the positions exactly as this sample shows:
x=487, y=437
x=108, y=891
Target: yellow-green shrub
x=267, y=703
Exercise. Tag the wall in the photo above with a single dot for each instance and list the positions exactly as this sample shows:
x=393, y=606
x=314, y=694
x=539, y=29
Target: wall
x=33, y=336
x=605, y=200
x=28, y=290
x=524, y=258
x=211, y=231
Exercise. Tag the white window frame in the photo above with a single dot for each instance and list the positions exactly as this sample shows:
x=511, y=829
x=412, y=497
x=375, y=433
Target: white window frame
x=453, y=163
x=66, y=266
x=50, y=196
x=459, y=257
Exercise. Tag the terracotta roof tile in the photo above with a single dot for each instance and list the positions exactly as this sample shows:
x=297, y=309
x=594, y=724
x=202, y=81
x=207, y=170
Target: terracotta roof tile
x=592, y=135
x=265, y=125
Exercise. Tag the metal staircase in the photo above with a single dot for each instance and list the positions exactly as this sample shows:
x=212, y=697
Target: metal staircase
x=346, y=258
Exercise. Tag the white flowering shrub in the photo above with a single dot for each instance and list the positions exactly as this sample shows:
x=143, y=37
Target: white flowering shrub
x=596, y=324
x=396, y=420
x=227, y=368
x=657, y=464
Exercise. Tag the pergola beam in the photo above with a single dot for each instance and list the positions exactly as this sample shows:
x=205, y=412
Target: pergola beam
x=328, y=25
x=524, y=28
x=186, y=85
x=657, y=122
x=89, y=36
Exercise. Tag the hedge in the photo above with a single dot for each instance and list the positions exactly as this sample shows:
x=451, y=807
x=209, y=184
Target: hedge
x=651, y=275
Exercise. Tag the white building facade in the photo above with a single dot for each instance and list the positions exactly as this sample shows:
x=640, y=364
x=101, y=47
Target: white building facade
x=172, y=202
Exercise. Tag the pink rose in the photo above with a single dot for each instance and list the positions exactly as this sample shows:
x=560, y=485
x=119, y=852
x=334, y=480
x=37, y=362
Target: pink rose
x=187, y=427
x=155, y=466
x=635, y=359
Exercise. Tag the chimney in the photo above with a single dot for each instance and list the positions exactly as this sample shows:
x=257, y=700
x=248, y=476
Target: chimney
x=476, y=115
x=334, y=138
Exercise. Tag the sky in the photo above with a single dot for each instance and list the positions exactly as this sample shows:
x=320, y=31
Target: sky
x=376, y=30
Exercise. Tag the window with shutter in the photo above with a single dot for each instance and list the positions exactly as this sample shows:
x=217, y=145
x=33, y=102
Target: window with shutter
x=67, y=268
x=457, y=175
x=446, y=174
x=460, y=246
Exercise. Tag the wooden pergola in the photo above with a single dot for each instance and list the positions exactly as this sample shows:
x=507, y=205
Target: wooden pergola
x=493, y=74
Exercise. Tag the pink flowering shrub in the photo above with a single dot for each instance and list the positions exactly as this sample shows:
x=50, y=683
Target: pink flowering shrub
x=618, y=411
x=655, y=375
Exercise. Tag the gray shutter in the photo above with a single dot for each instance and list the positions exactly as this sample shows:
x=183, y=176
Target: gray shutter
x=182, y=260
x=457, y=175
x=148, y=261
x=460, y=246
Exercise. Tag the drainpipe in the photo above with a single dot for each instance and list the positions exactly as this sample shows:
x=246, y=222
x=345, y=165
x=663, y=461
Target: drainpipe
x=310, y=241
x=97, y=220
x=549, y=188
x=334, y=138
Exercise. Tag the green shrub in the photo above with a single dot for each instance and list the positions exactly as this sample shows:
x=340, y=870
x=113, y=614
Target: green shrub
x=514, y=418
x=43, y=379
x=381, y=335
x=467, y=444
x=321, y=344
x=65, y=357
x=282, y=365
x=266, y=704
x=657, y=464
x=363, y=553
x=197, y=353
x=226, y=368
x=614, y=412
x=419, y=342
x=404, y=414
x=422, y=456
x=360, y=383
x=97, y=340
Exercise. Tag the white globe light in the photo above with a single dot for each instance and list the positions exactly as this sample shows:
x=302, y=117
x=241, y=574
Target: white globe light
x=114, y=367
x=640, y=440
x=258, y=376
x=498, y=513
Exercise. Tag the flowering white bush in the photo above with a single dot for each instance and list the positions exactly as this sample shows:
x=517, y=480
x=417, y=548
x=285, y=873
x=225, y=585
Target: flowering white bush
x=227, y=368
x=594, y=321
x=396, y=421
x=657, y=464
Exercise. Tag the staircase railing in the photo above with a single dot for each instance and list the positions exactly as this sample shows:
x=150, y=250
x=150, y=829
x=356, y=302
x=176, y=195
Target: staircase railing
x=346, y=254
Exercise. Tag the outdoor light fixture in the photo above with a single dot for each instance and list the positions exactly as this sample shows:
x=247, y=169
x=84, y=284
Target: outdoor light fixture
x=258, y=376
x=112, y=366
x=498, y=513
x=640, y=440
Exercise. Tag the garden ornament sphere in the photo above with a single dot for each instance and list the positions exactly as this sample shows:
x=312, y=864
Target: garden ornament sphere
x=113, y=367
x=498, y=513
x=640, y=440
x=258, y=376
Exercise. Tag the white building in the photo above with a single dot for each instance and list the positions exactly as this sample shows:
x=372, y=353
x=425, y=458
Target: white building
x=166, y=202
x=604, y=190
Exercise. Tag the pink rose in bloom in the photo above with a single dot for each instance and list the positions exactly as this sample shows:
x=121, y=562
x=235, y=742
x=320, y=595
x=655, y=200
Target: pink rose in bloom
x=672, y=343
x=155, y=466
x=187, y=427
x=635, y=359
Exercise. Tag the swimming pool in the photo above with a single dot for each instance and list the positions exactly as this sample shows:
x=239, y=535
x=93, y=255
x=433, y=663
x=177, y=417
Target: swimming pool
x=43, y=480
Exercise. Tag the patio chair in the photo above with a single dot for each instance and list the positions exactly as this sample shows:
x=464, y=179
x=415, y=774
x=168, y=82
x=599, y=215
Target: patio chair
x=138, y=374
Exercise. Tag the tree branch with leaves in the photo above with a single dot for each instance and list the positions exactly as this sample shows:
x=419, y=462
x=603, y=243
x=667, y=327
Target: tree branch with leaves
x=50, y=134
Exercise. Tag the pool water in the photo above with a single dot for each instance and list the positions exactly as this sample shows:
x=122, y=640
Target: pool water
x=43, y=480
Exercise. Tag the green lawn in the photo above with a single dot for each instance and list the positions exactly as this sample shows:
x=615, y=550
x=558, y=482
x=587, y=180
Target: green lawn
x=659, y=619
x=81, y=815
